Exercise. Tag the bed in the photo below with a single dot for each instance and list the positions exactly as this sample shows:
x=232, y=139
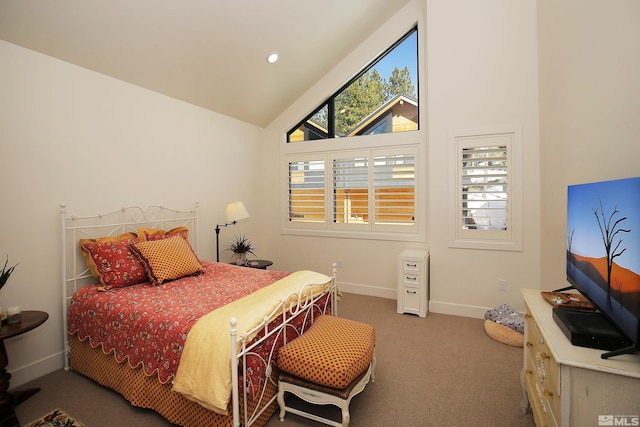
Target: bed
x=193, y=340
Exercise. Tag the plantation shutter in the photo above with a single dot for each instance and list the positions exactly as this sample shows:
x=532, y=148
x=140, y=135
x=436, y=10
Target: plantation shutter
x=307, y=191
x=394, y=188
x=485, y=188
x=351, y=190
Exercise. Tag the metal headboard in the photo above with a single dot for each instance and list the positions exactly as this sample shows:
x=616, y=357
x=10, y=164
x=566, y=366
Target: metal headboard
x=75, y=273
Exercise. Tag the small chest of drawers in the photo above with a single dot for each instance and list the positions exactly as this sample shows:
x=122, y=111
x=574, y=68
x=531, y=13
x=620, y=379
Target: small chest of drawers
x=413, y=282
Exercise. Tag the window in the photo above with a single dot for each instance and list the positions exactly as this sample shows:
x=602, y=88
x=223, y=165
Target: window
x=307, y=191
x=371, y=186
x=381, y=99
x=394, y=183
x=350, y=190
x=487, y=198
x=484, y=188
x=371, y=190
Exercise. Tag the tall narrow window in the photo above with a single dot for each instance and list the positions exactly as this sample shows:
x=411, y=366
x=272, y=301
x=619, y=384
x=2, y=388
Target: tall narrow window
x=485, y=194
x=486, y=206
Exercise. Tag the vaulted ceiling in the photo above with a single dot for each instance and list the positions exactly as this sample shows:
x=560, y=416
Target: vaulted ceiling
x=210, y=53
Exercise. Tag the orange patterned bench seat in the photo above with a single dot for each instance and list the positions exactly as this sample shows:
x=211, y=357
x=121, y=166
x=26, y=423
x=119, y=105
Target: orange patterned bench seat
x=328, y=364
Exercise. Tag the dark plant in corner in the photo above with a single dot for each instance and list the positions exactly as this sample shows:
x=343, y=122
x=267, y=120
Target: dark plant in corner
x=5, y=273
x=241, y=245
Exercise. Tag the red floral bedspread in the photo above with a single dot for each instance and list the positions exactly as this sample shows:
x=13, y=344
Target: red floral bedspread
x=148, y=325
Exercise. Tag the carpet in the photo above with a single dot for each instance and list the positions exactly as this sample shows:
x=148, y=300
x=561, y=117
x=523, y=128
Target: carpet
x=55, y=418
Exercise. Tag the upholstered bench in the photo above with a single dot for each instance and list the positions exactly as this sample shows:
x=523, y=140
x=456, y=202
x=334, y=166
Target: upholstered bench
x=329, y=364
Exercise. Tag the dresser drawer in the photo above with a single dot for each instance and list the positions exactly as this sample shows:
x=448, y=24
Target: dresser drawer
x=541, y=407
x=541, y=373
x=411, y=266
x=539, y=353
x=410, y=279
x=411, y=298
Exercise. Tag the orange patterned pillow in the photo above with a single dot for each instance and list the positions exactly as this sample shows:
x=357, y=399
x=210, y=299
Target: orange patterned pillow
x=111, y=261
x=148, y=234
x=167, y=259
x=332, y=352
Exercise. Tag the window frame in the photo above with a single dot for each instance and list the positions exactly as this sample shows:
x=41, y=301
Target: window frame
x=330, y=102
x=403, y=142
x=509, y=239
x=314, y=149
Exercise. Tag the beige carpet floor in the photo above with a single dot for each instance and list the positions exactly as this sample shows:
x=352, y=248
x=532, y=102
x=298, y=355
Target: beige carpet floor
x=436, y=371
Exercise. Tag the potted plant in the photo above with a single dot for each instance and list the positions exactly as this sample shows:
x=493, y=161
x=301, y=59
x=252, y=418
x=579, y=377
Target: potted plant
x=6, y=272
x=240, y=246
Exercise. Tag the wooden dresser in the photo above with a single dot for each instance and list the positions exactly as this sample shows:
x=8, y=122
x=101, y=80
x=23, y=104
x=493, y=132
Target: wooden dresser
x=567, y=386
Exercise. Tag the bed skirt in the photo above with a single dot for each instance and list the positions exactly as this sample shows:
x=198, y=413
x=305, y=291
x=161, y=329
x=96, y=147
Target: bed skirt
x=148, y=392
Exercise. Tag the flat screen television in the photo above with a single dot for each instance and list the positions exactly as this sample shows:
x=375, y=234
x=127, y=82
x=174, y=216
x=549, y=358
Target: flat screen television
x=603, y=251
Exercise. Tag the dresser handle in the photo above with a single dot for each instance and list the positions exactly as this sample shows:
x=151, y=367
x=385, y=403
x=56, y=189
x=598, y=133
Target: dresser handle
x=547, y=393
x=529, y=344
x=528, y=372
x=412, y=292
x=412, y=265
x=411, y=278
x=545, y=356
x=527, y=316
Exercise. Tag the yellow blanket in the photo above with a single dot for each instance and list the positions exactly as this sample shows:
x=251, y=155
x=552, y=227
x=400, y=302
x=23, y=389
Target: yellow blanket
x=204, y=373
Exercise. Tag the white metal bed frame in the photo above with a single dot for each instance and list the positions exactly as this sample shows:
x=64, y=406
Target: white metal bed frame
x=75, y=274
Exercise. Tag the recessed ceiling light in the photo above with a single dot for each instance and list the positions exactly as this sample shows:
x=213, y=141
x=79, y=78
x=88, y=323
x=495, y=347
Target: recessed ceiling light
x=273, y=57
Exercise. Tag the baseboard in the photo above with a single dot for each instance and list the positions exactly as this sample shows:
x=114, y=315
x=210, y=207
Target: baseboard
x=457, y=309
x=354, y=288
x=434, y=306
x=30, y=372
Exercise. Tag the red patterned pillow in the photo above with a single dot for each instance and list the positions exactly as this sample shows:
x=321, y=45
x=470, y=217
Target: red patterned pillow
x=111, y=261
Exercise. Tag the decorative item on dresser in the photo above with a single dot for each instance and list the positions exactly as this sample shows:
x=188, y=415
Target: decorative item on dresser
x=413, y=282
x=567, y=386
x=183, y=308
x=235, y=212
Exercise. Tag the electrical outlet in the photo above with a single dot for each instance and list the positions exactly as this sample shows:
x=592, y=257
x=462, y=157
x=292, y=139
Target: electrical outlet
x=502, y=285
x=339, y=263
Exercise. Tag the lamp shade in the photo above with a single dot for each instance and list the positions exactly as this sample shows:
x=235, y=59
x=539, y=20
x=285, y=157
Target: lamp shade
x=236, y=211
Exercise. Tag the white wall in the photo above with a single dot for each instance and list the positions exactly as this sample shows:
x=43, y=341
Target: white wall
x=480, y=70
x=589, y=107
x=72, y=135
x=482, y=73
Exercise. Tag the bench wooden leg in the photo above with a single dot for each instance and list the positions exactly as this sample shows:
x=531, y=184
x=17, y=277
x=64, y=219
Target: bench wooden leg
x=319, y=398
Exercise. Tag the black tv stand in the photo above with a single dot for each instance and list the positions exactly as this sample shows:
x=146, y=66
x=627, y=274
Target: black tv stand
x=626, y=350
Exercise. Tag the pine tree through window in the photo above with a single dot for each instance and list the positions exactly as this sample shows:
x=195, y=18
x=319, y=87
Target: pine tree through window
x=381, y=99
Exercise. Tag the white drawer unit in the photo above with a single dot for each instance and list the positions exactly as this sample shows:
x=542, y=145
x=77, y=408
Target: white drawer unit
x=413, y=282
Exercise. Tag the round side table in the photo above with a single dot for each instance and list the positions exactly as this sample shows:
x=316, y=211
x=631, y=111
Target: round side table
x=8, y=401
